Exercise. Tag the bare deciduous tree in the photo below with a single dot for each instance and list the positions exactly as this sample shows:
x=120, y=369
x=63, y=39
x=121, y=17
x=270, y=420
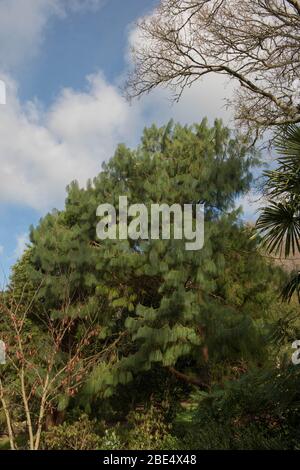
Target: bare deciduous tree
x=256, y=43
x=41, y=366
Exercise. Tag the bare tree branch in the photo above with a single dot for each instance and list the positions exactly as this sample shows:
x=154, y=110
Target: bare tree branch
x=40, y=377
x=255, y=43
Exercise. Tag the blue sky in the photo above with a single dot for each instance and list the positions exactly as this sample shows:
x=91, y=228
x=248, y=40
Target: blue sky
x=62, y=62
x=82, y=43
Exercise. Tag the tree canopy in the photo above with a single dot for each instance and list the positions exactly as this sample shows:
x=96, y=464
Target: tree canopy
x=126, y=321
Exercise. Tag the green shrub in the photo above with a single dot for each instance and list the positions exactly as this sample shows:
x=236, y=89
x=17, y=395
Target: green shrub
x=110, y=440
x=83, y=434
x=148, y=429
x=77, y=436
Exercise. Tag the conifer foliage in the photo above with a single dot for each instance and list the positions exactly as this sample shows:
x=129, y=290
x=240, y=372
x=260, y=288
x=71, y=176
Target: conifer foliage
x=156, y=303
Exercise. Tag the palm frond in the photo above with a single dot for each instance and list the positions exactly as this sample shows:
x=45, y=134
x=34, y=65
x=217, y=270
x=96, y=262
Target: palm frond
x=291, y=288
x=288, y=144
x=279, y=222
x=279, y=226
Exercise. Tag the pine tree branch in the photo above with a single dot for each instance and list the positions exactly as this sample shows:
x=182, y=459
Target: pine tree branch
x=188, y=379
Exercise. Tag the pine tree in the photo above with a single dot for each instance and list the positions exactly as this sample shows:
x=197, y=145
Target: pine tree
x=156, y=303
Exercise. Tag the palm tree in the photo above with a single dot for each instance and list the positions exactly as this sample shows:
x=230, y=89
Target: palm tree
x=279, y=222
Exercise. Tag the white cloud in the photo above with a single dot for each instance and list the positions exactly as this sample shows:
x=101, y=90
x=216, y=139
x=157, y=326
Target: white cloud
x=22, y=241
x=1, y=249
x=43, y=151
x=21, y=25
x=206, y=97
x=251, y=203
x=24, y=22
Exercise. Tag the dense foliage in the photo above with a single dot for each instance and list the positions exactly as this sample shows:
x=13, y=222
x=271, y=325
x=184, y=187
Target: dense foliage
x=183, y=340
x=279, y=222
